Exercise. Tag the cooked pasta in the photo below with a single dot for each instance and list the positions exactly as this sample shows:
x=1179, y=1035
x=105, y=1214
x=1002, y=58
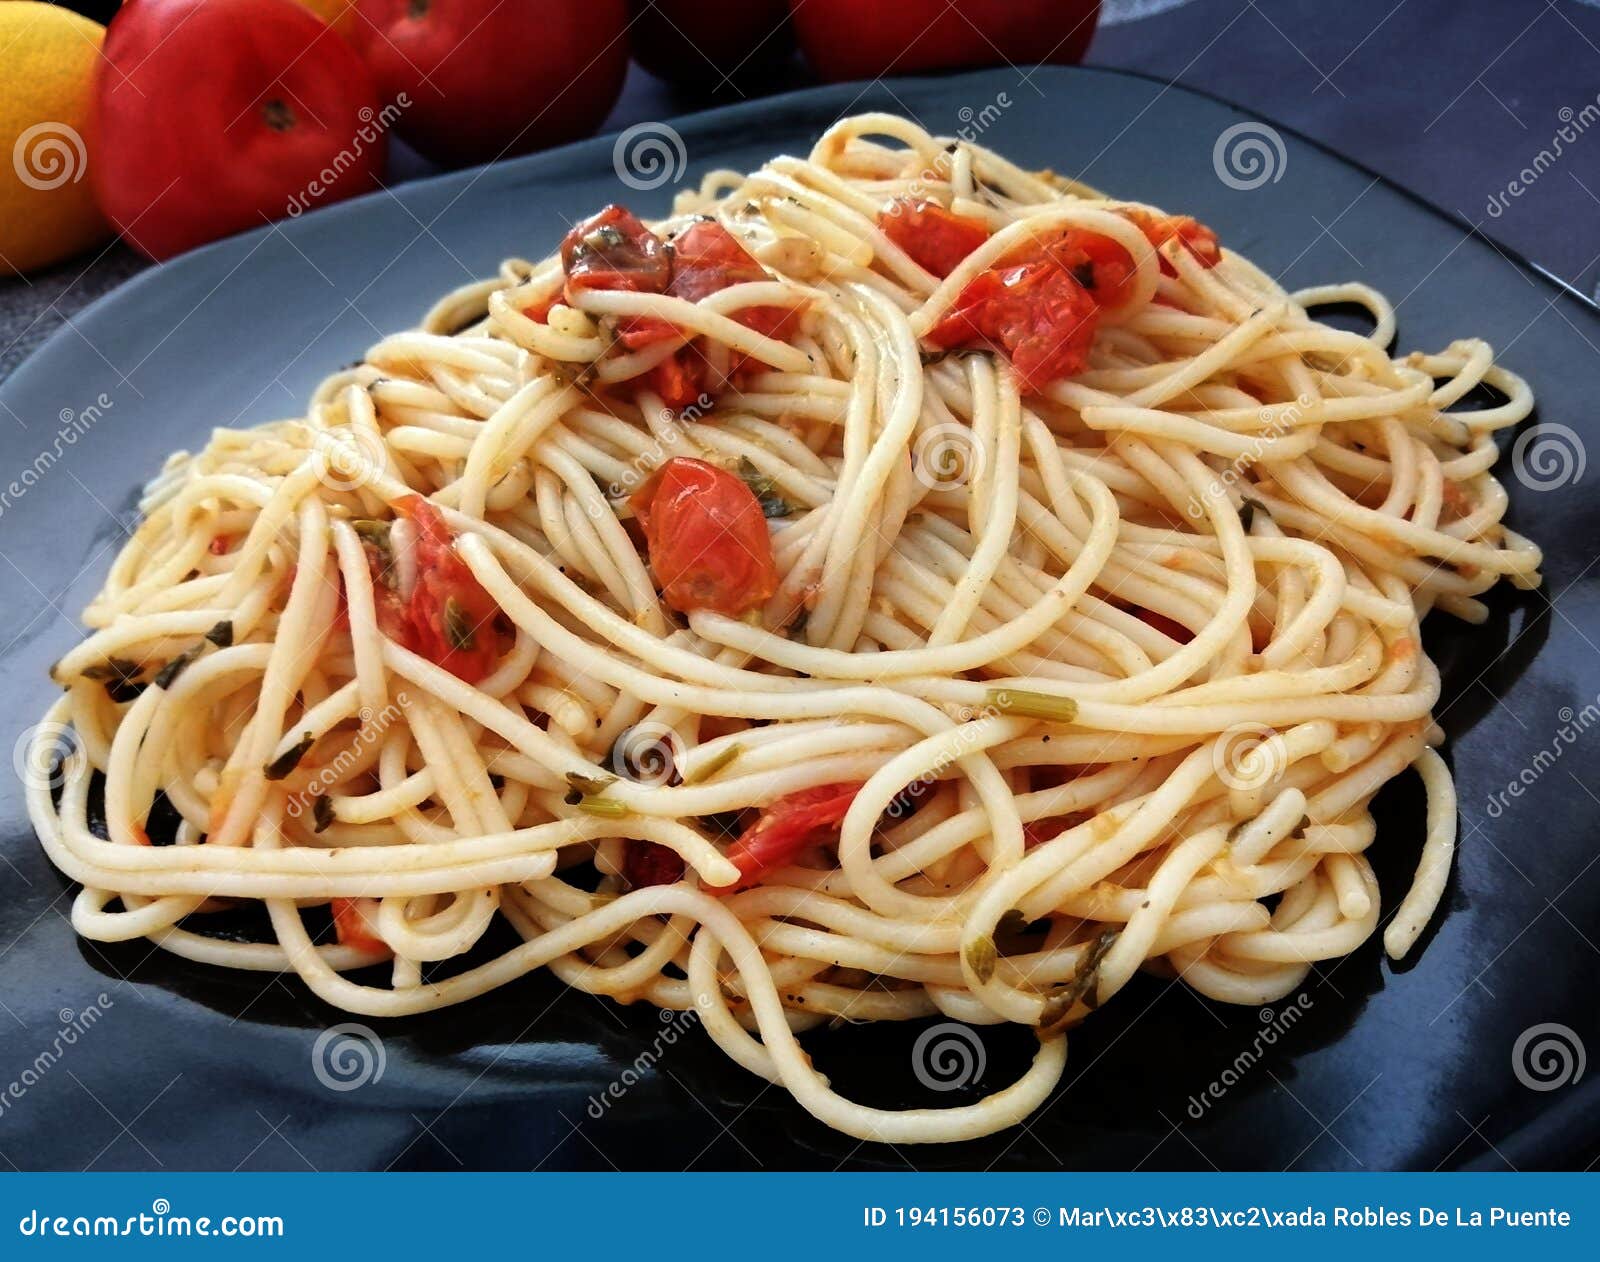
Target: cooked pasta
x=898, y=584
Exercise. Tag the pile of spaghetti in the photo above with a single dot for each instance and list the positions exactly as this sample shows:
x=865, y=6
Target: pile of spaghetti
x=897, y=584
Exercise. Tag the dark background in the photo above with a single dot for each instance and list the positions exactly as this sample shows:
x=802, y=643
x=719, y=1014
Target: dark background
x=1449, y=98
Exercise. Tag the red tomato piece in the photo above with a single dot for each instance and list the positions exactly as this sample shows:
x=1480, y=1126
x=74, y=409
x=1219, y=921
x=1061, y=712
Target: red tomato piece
x=936, y=239
x=613, y=250
x=449, y=618
x=1034, y=311
x=707, y=258
x=1198, y=239
x=680, y=378
x=707, y=538
x=352, y=927
x=784, y=829
x=650, y=863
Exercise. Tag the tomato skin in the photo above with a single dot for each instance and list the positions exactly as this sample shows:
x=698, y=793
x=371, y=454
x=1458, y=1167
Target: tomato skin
x=351, y=926
x=846, y=39
x=1198, y=239
x=709, y=45
x=492, y=78
x=449, y=618
x=614, y=250
x=936, y=239
x=707, y=537
x=650, y=863
x=784, y=829
x=184, y=155
x=1034, y=311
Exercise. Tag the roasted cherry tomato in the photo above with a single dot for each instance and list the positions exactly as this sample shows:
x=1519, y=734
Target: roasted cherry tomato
x=650, y=863
x=1034, y=311
x=707, y=537
x=448, y=618
x=936, y=239
x=1198, y=239
x=613, y=250
x=785, y=829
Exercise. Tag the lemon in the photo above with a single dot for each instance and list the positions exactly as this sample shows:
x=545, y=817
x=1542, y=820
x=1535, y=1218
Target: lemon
x=47, y=210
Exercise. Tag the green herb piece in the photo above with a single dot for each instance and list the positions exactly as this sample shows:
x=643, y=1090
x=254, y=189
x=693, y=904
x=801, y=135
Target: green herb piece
x=458, y=627
x=1032, y=705
x=589, y=786
x=714, y=765
x=980, y=955
x=609, y=808
x=170, y=672
x=764, y=489
x=1059, y=1005
x=222, y=634
x=321, y=812
x=287, y=761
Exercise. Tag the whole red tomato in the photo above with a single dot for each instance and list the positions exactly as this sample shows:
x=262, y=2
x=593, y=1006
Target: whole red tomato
x=485, y=79
x=710, y=45
x=213, y=116
x=846, y=39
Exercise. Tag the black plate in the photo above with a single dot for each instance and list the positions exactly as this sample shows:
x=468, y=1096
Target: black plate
x=1384, y=1067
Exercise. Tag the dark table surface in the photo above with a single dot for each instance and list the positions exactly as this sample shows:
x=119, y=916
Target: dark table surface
x=1454, y=99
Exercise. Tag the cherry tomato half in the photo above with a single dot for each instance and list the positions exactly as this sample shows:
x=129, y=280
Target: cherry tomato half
x=707, y=538
x=784, y=829
x=448, y=618
x=936, y=239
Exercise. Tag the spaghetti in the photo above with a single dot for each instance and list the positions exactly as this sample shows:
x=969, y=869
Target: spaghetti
x=897, y=584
